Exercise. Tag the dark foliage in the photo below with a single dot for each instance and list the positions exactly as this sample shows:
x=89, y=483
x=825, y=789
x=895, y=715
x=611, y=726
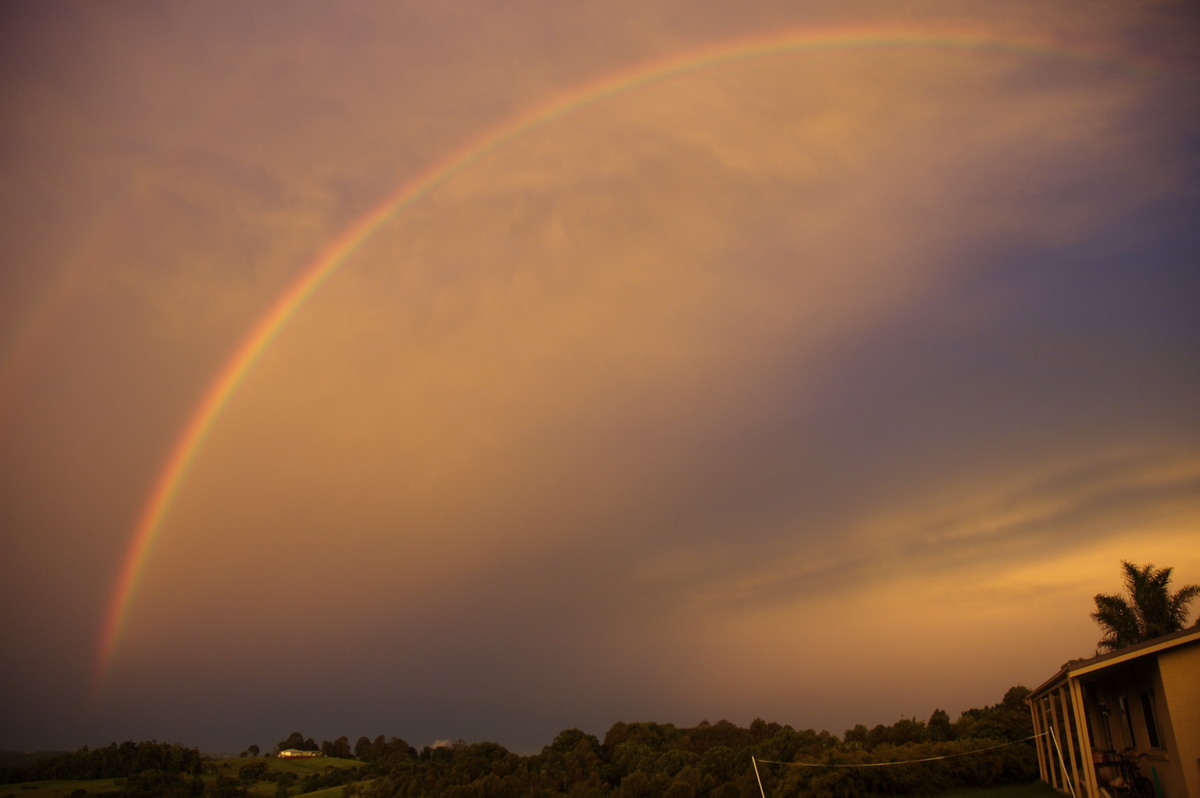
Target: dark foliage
x=716, y=760
x=298, y=742
x=966, y=763
x=22, y=759
x=330, y=777
x=129, y=759
x=157, y=784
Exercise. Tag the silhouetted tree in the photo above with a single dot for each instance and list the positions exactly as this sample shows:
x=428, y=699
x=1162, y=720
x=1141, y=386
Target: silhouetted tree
x=1151, y=610
x=906, y=730
x=1008, y=720
x=294, y=740
x=858, y=736
x=253, y=771
x=939, y=728
x=341, y=748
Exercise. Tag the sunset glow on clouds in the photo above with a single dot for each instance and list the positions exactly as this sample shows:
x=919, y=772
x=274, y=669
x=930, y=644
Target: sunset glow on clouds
x=660, y=363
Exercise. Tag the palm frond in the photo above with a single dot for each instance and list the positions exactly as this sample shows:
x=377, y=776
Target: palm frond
x=1151, y=610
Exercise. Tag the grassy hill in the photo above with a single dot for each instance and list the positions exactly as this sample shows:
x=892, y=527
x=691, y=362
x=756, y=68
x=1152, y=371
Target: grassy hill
x=1036, y=789
x=263, y=774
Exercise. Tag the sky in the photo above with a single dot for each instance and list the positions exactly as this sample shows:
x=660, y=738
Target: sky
x=479, y=371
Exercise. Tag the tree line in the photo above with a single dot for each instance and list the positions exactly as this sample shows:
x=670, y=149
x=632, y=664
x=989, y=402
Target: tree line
x=710, y=760
x=633, y=760
x=110, y=762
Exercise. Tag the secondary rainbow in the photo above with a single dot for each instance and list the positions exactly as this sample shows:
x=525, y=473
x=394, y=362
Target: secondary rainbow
x=217, y=396
x=78, y=268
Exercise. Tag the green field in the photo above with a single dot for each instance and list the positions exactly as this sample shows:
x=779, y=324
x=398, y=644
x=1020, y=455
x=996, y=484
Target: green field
x=332, y=792
x=305, y=767
x=1037, y=789
x=299, y=769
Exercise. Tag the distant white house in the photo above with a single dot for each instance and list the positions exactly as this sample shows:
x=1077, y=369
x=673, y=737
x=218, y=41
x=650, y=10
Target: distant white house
x=296, y=753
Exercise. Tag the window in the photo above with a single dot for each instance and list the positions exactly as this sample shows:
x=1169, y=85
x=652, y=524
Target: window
x=1151, y=719
x=1095, y=714
x=1126, y=722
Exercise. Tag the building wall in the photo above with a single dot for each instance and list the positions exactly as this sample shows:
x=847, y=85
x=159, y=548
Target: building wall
x=1167, y=737
x=1147, y=701
x=1179, y=670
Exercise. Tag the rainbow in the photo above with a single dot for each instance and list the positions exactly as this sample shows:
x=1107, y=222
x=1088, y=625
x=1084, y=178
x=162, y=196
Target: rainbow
x=205, y=415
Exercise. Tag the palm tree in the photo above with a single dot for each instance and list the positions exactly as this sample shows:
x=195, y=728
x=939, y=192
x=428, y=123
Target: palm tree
x=1152, y=610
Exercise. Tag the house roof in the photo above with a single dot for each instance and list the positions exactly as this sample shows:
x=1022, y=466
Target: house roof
x=1080, y=667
